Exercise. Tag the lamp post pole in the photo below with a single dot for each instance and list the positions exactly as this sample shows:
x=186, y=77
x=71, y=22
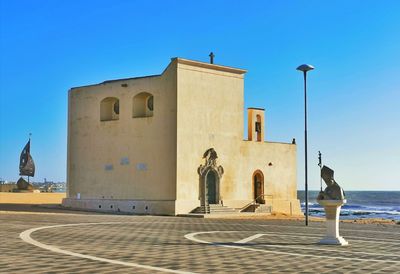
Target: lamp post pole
x=304, y=68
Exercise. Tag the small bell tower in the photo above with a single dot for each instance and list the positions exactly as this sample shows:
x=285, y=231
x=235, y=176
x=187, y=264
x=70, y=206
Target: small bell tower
x=255, y=125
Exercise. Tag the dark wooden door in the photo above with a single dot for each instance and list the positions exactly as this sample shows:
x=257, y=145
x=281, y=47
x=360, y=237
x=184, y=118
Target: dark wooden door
x=258, y=189
x=211, y=183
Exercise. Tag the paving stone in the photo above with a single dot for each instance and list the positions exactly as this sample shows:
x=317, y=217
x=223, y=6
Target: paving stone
x=284, y=247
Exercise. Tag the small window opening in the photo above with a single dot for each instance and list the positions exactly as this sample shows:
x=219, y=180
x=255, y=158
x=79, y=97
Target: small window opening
x=150, y=102
x=116, y=107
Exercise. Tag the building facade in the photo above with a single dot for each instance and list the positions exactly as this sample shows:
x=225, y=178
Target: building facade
x=171, y=143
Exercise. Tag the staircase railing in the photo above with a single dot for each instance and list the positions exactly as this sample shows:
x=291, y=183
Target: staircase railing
x=254, y=202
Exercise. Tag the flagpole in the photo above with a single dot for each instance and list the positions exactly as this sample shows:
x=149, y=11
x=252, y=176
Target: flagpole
x=30, y=134
x=320, y=167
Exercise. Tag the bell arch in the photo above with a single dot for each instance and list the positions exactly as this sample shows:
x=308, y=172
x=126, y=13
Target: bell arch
x=258, y=127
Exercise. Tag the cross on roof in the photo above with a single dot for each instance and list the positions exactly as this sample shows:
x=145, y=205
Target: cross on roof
x=211, y=57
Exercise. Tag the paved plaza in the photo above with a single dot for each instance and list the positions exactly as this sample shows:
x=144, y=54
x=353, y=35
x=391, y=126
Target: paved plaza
x=75, y=242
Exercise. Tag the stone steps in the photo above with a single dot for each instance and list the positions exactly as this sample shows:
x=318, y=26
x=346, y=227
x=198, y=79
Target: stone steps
x=250, y=208
x=214, y=209
x=257, y=208
x=263, y=209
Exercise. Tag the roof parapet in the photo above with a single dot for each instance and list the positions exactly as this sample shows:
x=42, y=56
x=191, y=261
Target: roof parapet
x=179, y=61
x=208, y=65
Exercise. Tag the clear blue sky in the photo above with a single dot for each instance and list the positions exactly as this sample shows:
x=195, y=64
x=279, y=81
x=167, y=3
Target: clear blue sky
x=46, y=47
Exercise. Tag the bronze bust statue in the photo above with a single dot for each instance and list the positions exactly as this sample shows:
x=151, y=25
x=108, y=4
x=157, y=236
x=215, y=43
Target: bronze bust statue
x=333, y=191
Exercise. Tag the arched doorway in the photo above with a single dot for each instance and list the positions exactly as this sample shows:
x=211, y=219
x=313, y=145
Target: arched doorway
x=258, y=187
x=211, y=187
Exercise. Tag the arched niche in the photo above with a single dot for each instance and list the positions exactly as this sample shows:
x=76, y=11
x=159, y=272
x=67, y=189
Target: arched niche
x=143, y=105
x=109, y=109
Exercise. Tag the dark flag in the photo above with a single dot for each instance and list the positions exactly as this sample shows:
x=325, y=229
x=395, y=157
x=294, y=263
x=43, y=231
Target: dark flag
x=26, y=164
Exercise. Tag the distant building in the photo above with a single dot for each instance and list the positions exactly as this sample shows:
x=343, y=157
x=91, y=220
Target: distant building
x=7, y=186
x=50, y=186
x=173, y=143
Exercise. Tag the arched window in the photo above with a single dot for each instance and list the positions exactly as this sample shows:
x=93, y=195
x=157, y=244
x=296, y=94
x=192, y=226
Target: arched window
x=258, y=127
x=109, y=109
x=143, y=105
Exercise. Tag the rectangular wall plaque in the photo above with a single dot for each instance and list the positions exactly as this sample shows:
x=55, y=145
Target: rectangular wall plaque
x=124, y=161
x=141, y=166
x=108, y=167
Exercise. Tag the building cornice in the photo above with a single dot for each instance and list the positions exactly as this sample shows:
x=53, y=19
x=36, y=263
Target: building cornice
x=208, y=65
x=263, y=109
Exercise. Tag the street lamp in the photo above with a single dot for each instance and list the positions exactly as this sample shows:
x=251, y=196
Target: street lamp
x=304, y=68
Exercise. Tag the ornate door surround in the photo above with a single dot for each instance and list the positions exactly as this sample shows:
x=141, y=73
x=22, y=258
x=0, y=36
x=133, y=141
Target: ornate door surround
x=210, y=165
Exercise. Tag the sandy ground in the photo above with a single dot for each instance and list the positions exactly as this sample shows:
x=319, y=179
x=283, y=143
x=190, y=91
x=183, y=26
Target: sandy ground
x=31, y=198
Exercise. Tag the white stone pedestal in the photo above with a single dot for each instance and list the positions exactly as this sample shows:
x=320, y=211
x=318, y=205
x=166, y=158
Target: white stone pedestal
x=332, y=212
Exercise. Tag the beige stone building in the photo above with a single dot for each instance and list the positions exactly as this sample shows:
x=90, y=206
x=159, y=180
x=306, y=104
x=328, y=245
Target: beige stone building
x=173, y=144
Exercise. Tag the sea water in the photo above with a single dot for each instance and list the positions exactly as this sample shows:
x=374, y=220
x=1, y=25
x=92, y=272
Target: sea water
x=360, y=205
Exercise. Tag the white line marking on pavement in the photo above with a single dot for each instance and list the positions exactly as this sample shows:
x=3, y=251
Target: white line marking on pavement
x=347, y=237
x=26, y=236
x=192, y=237
x=303, y=235
x=342, y=229
x=248, y=239
x=309, y=248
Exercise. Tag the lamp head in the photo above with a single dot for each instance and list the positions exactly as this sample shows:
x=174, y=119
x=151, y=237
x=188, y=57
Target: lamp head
x=305, y=68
